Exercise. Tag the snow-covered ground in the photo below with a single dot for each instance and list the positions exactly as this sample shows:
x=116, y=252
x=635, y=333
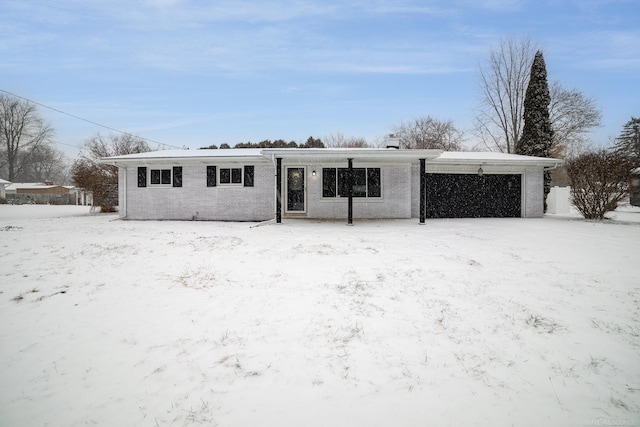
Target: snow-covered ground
x=458, y=322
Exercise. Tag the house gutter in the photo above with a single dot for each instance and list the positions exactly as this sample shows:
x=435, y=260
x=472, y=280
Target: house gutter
x=278, y=166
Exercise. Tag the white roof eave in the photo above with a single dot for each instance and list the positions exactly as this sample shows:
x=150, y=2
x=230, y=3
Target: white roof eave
x=433, y=157
x=488, y=162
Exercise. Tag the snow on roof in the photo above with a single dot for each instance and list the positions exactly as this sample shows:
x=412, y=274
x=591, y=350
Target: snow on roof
x=30, y=185
x=436, y=156
x=173, y=154
x=4, y=181
x=490, y=157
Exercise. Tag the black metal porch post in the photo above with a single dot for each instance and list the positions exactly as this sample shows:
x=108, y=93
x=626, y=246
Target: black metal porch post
x=278, y=190
x=423, y=190
x=350, y=192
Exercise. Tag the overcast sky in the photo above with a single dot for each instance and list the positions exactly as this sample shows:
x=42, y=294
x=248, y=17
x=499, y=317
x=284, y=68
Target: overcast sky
x=194, y=73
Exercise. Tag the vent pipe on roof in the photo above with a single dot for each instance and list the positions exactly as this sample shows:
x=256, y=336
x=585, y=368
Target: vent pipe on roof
x=391, y=141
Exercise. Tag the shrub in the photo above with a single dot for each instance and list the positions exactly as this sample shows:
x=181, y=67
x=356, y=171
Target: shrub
x=599, y=180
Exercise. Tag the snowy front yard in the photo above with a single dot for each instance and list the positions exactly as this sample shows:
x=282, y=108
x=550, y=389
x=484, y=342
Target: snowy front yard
x=457, y=322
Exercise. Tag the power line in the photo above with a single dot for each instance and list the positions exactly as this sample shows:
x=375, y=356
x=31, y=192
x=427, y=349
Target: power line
x=88, y=121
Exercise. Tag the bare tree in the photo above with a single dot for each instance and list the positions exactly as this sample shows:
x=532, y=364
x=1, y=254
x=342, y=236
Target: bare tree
x=427, y=132
x=45, y=163
x=572, y=116
x=102, y=179
x=500, y=115
x=22, y=130
x=503, y=83
x=338, y=140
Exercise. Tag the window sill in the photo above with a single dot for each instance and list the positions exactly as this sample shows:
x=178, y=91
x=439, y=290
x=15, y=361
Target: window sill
x=355, y=199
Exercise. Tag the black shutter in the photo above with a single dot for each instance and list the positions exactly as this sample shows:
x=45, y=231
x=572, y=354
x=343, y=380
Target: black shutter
x=248, y=176
x=142, y=177
x=211, y=176
x=177, y=176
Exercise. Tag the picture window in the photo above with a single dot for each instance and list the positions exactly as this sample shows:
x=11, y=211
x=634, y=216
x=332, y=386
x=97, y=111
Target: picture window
x=366, y=182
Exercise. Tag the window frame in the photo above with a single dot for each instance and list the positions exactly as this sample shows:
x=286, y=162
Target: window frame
x=165, y=175
x=235, y=176
x=337, y=186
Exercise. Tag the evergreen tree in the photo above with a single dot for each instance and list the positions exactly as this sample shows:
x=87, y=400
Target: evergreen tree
x=628, y=143
x=537, y=135
x=313, y=143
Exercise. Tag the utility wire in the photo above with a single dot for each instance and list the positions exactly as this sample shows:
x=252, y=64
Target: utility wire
x=88, y=121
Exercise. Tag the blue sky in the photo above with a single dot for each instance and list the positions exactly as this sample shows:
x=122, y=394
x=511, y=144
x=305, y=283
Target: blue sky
x=194, y=73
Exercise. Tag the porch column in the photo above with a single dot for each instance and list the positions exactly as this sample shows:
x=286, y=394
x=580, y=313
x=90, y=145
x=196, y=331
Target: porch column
x=350, y=192
x=423, y=190
x=278, y=190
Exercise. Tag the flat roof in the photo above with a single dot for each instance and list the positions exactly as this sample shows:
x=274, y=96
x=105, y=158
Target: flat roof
x=327, y=154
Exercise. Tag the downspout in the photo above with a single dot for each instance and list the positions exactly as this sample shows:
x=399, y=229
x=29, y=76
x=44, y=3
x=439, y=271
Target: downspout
x=275, y=195
x=278, y=190
x=550, y=168
x=423, y=191
x=350, y=193
x=124, y=194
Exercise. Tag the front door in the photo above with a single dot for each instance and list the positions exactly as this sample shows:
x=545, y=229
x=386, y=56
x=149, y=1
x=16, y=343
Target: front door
x=295, y=189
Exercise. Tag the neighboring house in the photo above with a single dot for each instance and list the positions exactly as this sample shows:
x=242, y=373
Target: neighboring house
x=40, y=193
x=3, y=185
x=328, y=183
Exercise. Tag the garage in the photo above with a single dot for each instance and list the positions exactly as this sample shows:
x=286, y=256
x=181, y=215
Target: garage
x=451, y=195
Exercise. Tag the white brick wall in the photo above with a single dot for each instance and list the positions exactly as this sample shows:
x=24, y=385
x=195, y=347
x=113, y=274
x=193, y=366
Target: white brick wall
x=533, y=193
x=195, y=201
x=394, y=203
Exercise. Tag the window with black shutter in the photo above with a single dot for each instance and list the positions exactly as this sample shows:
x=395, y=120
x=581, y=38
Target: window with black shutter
x=177, y=176
x=163, y=177
x=248, y=176
x=211, y=176
x=142, y=177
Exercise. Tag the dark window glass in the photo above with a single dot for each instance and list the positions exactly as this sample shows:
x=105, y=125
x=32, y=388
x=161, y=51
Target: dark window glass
x=166, y=176
x=366, y=182
x=329, y=182
x=142, y=177
x=236, y=176
x=359, y=182
x=343, y=189
x=177, y=176
x=155, y=176
x=211, y=176
x=225, y=176
x=248, y=176
x=373, y=182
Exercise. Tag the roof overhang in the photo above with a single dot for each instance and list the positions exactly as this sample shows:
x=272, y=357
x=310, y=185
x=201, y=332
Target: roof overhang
x=332, y=155
x=494, y=159
x=182, y=157
x=329, y=155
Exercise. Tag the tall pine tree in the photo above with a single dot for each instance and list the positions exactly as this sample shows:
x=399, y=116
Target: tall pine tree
x=628, y=143
x=537, y=134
